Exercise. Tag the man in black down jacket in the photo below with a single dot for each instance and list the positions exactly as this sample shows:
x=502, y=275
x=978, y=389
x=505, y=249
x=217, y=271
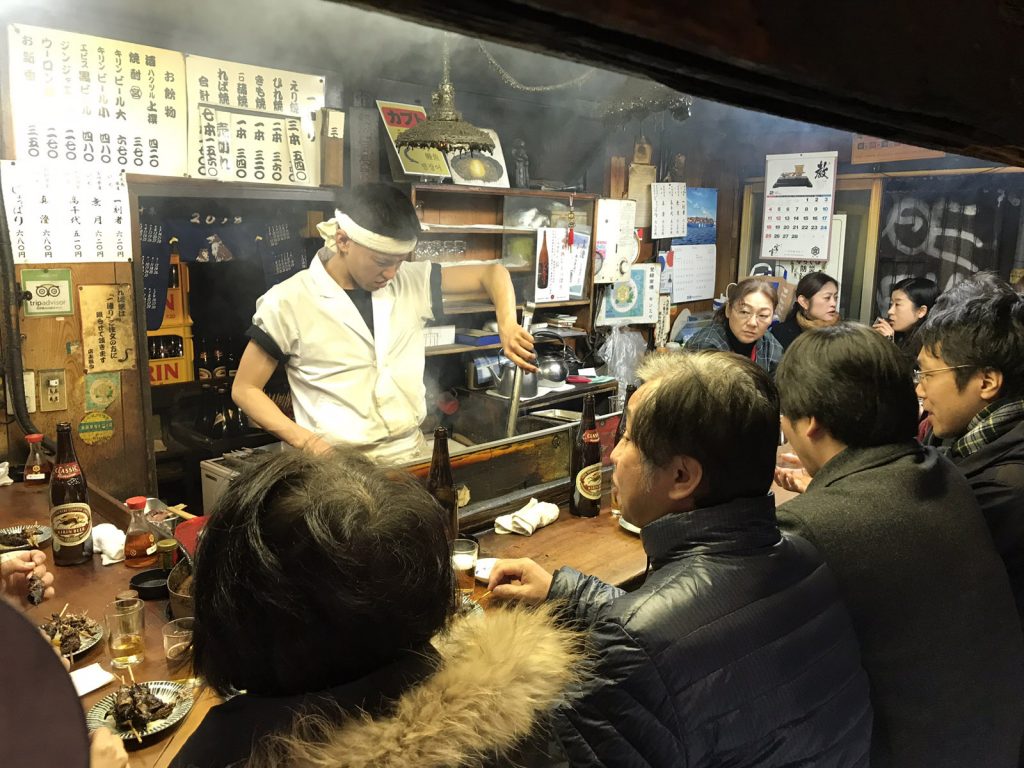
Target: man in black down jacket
x=737, y=650
x=972, y=381
x=901, y=530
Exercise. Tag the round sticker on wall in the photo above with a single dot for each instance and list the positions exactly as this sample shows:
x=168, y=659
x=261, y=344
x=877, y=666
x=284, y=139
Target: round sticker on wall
x=95, y=427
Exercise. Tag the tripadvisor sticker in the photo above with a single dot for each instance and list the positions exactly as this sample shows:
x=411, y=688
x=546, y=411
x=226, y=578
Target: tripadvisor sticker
x=95, y=427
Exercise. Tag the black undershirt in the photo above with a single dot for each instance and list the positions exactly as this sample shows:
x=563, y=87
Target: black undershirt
x=736, y=345
x=363, y=300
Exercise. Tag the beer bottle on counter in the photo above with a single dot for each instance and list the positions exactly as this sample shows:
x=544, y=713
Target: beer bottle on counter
x=70, y=513
x=440, y=484
x=219, y=360
x=585, y=467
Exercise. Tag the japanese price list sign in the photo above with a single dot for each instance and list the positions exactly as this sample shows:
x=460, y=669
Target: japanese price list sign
x=253, y=124
x=799, y=194
x=108, y=327
x=65, y=213
x=90, y=100
x=399, y=118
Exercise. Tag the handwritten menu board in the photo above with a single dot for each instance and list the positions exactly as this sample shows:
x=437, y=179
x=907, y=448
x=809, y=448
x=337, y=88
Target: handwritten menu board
x=668, y=210
x=108, y=327
x=799, y=193
x=415, y=161
x=65, y=213
x=252, y=124
x=91, y=100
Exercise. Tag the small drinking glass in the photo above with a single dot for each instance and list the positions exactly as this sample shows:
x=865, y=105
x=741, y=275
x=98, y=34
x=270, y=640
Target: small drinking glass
x=178, y=641
x=125, y=623
x=464, y=554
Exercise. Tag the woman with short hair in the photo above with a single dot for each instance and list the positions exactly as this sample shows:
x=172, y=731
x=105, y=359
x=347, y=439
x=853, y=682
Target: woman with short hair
x=816, y=306
x=742, y=324
x=909, y=303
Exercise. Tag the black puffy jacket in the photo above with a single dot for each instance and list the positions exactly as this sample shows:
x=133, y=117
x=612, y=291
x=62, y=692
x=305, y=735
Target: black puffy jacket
x=736, y=652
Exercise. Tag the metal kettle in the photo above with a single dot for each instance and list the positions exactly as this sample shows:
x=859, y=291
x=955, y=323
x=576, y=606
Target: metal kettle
x=504, y=378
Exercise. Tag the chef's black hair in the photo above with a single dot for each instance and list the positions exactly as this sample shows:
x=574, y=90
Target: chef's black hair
x=314, y=571
x=381, y=208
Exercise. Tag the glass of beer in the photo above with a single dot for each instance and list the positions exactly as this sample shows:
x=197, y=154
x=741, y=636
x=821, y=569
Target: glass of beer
x=464, y=553
x=125, y=621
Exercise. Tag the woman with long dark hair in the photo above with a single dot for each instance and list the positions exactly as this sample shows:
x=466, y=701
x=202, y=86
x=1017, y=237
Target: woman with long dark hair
x=816, y=306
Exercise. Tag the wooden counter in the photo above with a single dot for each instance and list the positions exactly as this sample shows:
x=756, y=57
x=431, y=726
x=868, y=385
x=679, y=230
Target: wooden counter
x=90, y=586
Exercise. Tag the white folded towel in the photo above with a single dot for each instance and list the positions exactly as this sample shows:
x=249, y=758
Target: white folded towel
x=536, y=514
x=5, y=473
x=108, y=540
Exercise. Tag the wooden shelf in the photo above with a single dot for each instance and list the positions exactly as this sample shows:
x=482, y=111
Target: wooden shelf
x=479, y=229
x=499, y=191
x=455, y=349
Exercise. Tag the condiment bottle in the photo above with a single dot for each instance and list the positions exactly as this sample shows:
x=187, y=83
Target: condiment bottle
x=440, y=483
x=139, y=542
x=70, y=513
x=37, y=466
x=585, y=466
x=165, y=549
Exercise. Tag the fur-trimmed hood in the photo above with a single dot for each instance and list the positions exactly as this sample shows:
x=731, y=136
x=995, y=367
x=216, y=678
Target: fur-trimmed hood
x=499, y=674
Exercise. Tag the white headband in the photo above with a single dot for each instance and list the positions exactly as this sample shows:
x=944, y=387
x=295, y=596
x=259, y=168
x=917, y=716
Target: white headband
x=364, y=237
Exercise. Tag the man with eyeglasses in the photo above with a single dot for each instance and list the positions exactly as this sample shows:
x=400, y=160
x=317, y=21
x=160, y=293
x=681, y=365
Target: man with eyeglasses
x=902, y=532
x=971, y=380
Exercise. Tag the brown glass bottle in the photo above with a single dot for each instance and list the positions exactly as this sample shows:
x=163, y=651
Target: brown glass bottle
x=440, y=483
x=70, y=513
x=621, y=429
x=543, y=263
x=585, y=467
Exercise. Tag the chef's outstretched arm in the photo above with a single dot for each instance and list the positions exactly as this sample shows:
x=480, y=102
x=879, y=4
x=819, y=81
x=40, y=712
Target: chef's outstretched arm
x=254, y=371
x=494, y=280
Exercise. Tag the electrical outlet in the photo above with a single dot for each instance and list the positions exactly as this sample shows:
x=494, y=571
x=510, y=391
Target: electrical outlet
x=30, y=393
x=53, y=390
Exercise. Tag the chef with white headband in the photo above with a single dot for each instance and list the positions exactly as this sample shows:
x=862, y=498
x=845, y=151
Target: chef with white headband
x=349, y=330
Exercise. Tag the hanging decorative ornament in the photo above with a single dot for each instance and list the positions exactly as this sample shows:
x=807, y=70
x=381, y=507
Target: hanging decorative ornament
x=571, y=235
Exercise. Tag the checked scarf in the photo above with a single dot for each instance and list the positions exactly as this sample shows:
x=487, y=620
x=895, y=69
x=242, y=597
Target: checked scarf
x=989, y=424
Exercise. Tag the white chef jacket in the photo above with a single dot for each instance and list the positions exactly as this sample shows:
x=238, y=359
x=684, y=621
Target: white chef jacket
x=349, y=385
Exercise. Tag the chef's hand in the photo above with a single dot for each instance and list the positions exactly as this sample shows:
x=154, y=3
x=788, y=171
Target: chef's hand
x=795, y=480
x=107, y=750
x=521, y=580
x=885, y=328
x=16, y=567
x=517, y=344
x=316, y=445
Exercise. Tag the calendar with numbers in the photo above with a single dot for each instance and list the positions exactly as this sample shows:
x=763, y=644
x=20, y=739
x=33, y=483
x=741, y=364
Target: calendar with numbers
x=798, y=202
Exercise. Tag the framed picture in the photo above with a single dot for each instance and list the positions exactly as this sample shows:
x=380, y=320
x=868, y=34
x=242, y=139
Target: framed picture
x=479, y=169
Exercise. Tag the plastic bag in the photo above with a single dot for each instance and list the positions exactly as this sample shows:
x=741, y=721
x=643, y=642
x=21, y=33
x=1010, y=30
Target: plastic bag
x=622, y=352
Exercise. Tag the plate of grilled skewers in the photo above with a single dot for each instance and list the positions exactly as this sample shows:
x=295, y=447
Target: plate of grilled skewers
x=72, y=633
x=138, y=711
x=15, y=537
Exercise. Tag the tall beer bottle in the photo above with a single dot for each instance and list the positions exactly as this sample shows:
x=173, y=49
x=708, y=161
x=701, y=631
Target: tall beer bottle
x=621, y=429
x=439, y=481
x=204, y=374
x=585, y=468
x=70, y=513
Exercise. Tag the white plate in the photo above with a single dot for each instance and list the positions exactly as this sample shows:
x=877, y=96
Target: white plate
x=179, y=694
x=41, y=540
x=623, y=523
x=483, y=568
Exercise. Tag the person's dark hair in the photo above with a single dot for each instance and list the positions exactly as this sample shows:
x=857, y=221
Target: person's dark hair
x=921, y=291
x=748, y=285
x=716, y=407
x=808, y=286
x=853, y=381
x=381, y=208
x=979, y=323
x=314, y=571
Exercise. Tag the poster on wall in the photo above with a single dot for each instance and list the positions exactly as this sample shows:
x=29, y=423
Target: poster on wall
x=633, y=300
x=480, y=169
x=414, y=161
x=560, y=268
x=108, y=327
x=253, y=124
x=693, y=272
x=799, y=194
x=701, y=217
x=65, y=213
x=98, y=102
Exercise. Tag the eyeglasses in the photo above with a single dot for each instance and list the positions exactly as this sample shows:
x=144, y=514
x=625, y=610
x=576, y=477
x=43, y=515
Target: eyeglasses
x=921, y=376
x=745, y=313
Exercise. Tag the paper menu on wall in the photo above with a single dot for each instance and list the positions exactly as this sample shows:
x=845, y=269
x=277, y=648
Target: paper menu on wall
x=641, y=177
x=693, y=273
x=560, y=268
x=668, y=210
x=615, y=244
x=633, y=300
